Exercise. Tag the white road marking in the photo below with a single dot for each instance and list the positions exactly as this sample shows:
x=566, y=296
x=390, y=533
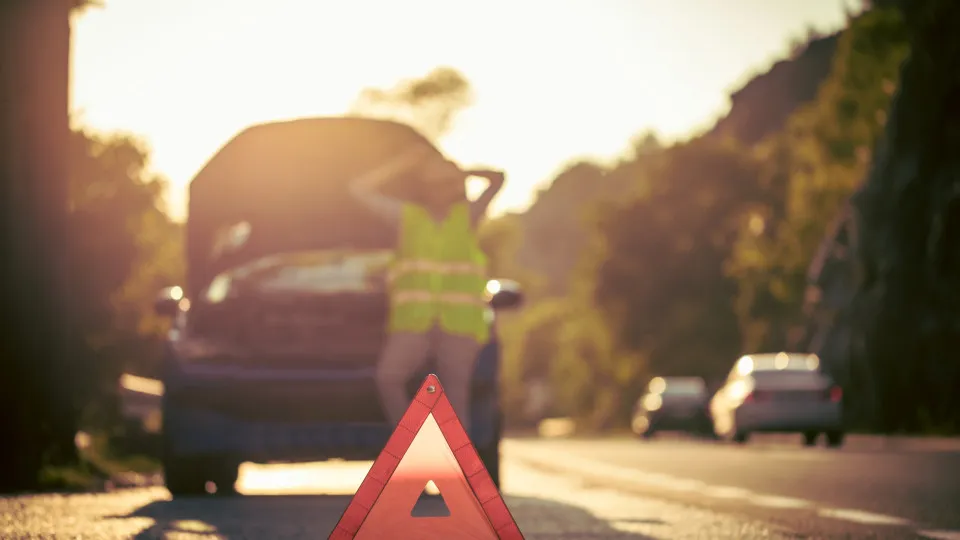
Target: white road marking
x=686, y=484
x=801, y=455
x=623, y=512
x=773, y=501
x=726, y=492
x=859, y=516
x=940, y=535
x=576, y=464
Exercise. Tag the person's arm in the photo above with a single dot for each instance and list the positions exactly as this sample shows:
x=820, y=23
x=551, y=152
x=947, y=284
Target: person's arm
x=479, y=207
x=365, y=187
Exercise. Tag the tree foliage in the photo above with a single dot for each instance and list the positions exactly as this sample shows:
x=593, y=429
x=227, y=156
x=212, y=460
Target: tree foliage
x=429, y=103
x=123, y=249
x=660, y=278
x=762, y=106
x=812, y=167
x=554, y=229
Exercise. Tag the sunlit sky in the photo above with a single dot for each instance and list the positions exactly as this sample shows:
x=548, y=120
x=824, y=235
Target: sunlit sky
x=554, y=80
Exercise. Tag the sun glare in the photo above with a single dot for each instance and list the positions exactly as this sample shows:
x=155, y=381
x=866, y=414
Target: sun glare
x=188, y=75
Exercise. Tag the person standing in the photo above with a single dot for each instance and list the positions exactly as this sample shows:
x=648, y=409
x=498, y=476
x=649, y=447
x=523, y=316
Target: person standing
x=437, y=281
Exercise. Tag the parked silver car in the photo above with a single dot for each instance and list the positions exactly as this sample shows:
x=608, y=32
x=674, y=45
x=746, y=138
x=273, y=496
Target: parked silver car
x=782, y=392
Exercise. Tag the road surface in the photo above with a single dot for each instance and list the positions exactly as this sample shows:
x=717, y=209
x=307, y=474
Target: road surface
x=568, y=489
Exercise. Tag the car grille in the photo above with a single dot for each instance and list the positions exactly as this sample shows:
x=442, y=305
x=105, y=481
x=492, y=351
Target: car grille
x=329, y=331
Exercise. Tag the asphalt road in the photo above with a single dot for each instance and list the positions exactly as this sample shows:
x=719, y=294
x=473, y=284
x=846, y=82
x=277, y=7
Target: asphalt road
x=811, y=491
x=567, y=489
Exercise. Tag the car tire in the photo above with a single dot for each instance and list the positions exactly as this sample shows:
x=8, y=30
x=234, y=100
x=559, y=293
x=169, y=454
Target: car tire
x=648, y=434
x=741, y=437
x=224, y=471
x=835, y=439
x=183, y=477
x=490, y=456
x=706, y=430
x=188, y=477
x=810, y=438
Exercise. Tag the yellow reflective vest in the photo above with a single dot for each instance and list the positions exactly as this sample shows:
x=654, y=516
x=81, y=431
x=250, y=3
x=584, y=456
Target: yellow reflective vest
x=439, y=275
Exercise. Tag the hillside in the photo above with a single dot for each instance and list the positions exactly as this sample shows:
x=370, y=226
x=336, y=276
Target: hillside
x=553, y=227
x=762, y=106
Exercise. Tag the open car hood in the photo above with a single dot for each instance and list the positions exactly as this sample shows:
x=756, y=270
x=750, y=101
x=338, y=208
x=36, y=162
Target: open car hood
x=283, y=187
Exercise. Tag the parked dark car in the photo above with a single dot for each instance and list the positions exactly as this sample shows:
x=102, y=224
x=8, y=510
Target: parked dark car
x=673, y=404
x=278, y=327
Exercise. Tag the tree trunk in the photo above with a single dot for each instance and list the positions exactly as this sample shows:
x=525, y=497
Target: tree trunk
x=910, y=328
x=37, y=416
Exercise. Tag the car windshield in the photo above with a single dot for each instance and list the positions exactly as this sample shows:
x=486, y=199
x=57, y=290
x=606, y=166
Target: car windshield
x=788, y=378
x=330, y=271
x=684, y=387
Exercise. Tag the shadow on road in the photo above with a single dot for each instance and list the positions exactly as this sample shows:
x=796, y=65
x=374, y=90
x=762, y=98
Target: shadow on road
x=314, y=516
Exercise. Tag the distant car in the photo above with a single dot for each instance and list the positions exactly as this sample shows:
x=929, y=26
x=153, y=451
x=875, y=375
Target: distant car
x=778, y=393
x=672, y=404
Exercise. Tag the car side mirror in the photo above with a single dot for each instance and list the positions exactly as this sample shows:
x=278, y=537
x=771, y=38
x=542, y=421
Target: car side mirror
x=169, y=302
x=504, y=294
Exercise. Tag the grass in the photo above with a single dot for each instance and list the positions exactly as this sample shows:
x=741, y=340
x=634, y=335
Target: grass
x=70, y=479
x=97, y=465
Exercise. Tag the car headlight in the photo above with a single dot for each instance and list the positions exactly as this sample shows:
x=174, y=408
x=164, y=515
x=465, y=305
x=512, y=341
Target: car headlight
x=652, y=402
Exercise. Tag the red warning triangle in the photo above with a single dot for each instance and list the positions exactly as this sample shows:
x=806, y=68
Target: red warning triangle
x=429, y=444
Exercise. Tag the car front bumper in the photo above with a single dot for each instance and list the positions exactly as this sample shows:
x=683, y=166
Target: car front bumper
x=268, y=415
x=789, y=417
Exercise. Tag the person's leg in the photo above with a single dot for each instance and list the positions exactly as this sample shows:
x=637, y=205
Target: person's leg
x=402, y=355
x=456, y=362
